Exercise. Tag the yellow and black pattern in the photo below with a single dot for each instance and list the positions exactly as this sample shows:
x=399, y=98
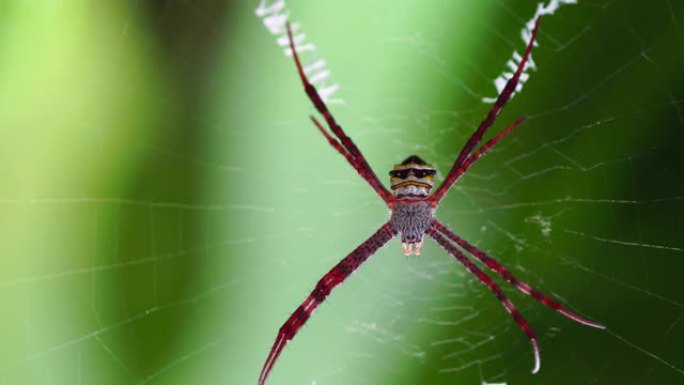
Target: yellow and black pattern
x=413, y=178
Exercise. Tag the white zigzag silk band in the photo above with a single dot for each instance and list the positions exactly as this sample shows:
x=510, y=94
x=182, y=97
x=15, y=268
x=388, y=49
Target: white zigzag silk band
x=275, y=16
x=525, y=34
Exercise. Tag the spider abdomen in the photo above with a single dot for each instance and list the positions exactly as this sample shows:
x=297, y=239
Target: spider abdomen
x=412, y=220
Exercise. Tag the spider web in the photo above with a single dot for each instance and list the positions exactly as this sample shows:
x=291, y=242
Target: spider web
x=167, y=203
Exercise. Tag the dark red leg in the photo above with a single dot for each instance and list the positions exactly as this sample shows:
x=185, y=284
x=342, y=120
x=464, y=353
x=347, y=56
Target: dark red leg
x=360, y=163
x=334, y=277
x=476, y=137
x=484, y=278
x=485, y=147
x=503, y=272
x=337, y=146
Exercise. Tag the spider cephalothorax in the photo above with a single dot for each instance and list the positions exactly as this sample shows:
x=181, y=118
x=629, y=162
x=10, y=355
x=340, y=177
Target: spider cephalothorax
x=413, y=178
x=412, y=219
x=412, y=206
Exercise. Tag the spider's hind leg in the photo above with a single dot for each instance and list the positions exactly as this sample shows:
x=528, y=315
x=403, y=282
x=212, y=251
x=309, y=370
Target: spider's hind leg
x=343, y=144
x=488, y=121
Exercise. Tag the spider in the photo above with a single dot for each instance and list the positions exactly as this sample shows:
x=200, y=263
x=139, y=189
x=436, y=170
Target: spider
x=412, y=210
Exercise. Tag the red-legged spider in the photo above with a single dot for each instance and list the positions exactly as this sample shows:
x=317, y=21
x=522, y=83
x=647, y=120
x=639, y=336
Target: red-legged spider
x=412, y=209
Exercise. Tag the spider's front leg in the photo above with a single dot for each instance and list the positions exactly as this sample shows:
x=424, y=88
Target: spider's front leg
x=334, y=277
x=496, y=267
x=486, y=280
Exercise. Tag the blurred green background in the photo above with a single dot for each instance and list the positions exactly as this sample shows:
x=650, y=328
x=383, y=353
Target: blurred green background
x=166, y=203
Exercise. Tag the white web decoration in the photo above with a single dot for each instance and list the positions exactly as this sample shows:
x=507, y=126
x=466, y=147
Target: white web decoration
x=525, y=33
x=275, y=16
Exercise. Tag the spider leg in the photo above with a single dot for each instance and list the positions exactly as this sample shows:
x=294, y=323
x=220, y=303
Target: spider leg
x=336, y=144
x=334, y=277
x=485, y=279
x=360, y=163
x=485, y=147
x=503, y=272
x=476, y=137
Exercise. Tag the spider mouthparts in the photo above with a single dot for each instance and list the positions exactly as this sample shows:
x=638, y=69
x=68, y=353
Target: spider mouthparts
x=407, y=248
x=412, y=248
